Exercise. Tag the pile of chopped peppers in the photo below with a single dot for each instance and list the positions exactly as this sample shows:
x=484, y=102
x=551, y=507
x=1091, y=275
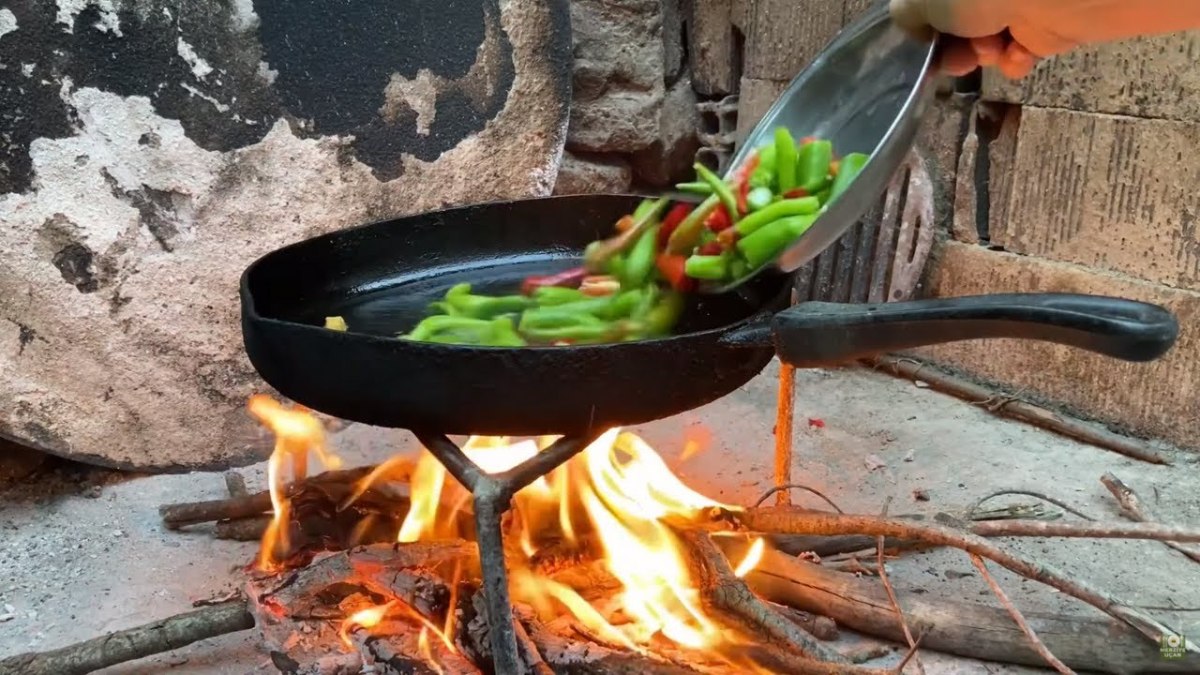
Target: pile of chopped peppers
x=632, y=286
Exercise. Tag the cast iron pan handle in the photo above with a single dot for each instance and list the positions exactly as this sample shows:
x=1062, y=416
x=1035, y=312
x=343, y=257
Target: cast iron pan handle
x=818, y=334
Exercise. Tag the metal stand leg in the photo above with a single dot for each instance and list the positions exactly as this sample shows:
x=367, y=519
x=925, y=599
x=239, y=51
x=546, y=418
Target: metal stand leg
x=784, y=416
x=493, y=496
x=490, y=505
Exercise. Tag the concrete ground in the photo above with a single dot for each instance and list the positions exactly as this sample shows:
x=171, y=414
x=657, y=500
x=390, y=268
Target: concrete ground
x=83, y=551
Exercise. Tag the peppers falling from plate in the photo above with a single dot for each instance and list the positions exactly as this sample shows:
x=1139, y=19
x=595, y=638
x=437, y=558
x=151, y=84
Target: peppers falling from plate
x=632, y=285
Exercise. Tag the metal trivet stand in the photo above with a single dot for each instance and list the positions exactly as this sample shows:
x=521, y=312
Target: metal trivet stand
x=492, y=494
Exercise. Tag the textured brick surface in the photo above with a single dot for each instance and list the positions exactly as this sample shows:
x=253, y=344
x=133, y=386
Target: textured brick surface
x=1152, y=399
x=1115, y=193
x=1147, y=77
x=787, y=34
x=755, y=98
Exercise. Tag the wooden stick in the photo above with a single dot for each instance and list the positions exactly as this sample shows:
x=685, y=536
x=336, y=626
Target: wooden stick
x=825, y=546
x=1018, y=409
x=733, y=595
x=176, y=516
x=941, y=535
x=1097, y=530
x=1019, y=619
x=1133, y=508
x=954, y=627
x=895, y=602
x=785, y=413
x=135, y=643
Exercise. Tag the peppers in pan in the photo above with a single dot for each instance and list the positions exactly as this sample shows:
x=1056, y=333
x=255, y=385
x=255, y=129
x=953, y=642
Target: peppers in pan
x=849, y=168
x=720, y=188
x=812, y=166
x=785, y=159
x=633, y=284
x=768, y=241
x=780, y=209
x=640, y=262
x=460, y=298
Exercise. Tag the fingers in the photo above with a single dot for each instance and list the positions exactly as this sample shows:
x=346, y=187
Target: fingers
x=988, y=50
x=957, y=56
x=1017, y=61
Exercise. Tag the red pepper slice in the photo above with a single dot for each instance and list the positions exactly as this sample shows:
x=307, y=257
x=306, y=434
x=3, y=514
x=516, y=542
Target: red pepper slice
x=671, y=267
x=570, y=278
x=672, y=220
x=727, y=238
x=743, y=194
x=795, y=193
x=748, y=167
x=807, y=139
x=712, y=247
x=719, y=219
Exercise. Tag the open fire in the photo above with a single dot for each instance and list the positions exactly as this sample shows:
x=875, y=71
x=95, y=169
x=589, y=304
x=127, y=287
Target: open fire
x=616, y=502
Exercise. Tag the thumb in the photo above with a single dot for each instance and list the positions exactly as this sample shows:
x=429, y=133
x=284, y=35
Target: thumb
x=961, y=18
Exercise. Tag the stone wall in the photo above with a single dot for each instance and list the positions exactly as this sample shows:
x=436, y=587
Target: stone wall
x=150, y=150
x=1079, y=178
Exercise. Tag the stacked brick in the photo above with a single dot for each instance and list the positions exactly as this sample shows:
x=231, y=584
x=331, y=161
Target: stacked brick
x=1080, y=178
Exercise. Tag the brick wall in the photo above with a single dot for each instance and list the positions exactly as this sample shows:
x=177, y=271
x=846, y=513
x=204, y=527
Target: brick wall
x=1083, y=177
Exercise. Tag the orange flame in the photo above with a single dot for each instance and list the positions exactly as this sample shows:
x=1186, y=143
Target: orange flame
x=364, y=618
x=617, y=496
x=297, y=432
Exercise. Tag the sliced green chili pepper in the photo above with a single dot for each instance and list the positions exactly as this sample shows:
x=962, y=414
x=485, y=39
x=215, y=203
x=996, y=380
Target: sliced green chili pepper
x=780, y=209
x=484, y=307
x=759, y=198
x=504, y=334
x=548, y=296
x=812, y=170
x=580, y=334
x=640, y=263
x=443, y=307
x=738, y=268
x=644, y=209
x=498, y=332
x=695, y=188
x=556, y=317
x=823, y=197
x=684, y=238
x=848, y=169
x=721, y=189
x=785, y=159
x=768, y=158
x=768, y=241
x=615, y=266
x=664, y=315
x=598, y=253
x=707, y=267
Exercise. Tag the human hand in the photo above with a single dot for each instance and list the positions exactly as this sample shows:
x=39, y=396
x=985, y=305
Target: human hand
x=1013, y=35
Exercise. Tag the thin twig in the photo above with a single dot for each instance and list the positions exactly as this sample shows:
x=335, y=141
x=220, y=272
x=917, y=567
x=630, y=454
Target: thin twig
x=1019, y=618
x=1029, y=493
x=1019, y=409
x=891, y=592
x=912, y=654
x=941, y=535
x=798, y=486
x=1099, y=530
x=1133, y=509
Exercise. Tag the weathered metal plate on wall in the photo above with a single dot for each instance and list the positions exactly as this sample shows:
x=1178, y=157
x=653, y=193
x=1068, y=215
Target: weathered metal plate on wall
x=150, y=150
x=882, y=258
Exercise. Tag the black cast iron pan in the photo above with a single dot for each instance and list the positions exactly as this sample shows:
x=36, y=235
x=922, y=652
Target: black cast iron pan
x=380, y=278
